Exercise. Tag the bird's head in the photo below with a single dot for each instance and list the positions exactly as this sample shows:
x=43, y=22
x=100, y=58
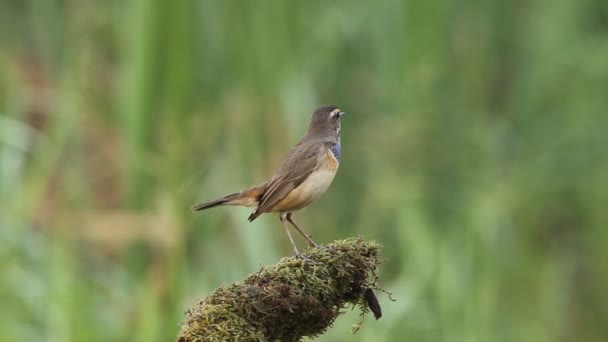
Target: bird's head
x=326, y=121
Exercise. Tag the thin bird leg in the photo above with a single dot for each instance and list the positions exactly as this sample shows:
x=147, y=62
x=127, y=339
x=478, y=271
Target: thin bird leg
x=293, y=244
x=306, y=236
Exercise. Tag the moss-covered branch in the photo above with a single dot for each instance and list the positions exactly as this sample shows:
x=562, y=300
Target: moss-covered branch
x=291, y=299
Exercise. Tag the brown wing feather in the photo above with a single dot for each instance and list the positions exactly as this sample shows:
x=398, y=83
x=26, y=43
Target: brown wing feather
x=300, y=162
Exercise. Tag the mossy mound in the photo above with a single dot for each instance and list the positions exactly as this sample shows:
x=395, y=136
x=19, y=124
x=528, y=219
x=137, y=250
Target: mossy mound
x=291, y=299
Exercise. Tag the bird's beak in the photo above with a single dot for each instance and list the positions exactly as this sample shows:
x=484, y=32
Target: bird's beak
x=341, y=114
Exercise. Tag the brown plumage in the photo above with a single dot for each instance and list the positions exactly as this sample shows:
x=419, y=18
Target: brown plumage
x=303, y=176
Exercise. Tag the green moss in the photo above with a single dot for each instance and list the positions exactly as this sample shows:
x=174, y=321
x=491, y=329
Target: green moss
x=291, y=299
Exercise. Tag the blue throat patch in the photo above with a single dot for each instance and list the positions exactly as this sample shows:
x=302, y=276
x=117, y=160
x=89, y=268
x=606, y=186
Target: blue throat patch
x=336, y=150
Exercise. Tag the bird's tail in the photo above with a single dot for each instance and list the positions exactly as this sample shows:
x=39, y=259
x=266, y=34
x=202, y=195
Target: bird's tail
x=247, y=198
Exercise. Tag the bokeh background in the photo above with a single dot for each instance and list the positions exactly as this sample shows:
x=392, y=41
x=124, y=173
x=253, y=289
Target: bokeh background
x=474, y=150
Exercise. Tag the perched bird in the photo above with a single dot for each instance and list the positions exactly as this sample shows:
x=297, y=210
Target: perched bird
x=303, y=176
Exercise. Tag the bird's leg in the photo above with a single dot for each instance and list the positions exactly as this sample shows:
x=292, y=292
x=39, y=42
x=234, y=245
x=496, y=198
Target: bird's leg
x=306, y=236
x=282, y=217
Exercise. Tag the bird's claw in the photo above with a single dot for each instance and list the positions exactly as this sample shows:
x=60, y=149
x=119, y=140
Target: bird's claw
x=305, y=258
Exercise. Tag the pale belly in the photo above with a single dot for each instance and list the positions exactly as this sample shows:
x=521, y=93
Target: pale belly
x=311, y=189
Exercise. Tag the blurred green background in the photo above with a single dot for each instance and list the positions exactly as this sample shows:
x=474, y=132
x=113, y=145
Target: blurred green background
x=474, y=150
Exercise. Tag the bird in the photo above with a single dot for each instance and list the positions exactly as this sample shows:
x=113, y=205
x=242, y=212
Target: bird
x=303, y=176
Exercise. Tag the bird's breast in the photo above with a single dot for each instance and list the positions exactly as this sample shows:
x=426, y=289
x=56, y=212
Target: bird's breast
x=332, y=158
x=336, y=149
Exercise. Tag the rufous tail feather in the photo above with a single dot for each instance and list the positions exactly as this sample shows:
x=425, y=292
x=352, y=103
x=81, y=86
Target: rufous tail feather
x=247, y=198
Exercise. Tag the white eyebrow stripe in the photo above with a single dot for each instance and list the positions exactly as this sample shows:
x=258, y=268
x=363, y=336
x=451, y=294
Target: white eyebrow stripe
x=334, y=112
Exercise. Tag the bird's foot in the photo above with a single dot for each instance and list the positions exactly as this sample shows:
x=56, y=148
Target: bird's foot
x=305, y=258
x=317, y=246
x=313, y=245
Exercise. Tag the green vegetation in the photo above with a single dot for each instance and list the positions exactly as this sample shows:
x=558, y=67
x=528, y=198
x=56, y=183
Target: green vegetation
x=474, y=150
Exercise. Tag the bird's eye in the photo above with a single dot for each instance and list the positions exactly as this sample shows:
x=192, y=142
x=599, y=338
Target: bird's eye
x=336, y=114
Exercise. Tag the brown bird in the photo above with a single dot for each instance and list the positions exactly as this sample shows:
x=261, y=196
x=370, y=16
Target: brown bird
x=303, y=176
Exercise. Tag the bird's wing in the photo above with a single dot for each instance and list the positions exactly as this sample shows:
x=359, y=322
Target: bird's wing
x=301, y=161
